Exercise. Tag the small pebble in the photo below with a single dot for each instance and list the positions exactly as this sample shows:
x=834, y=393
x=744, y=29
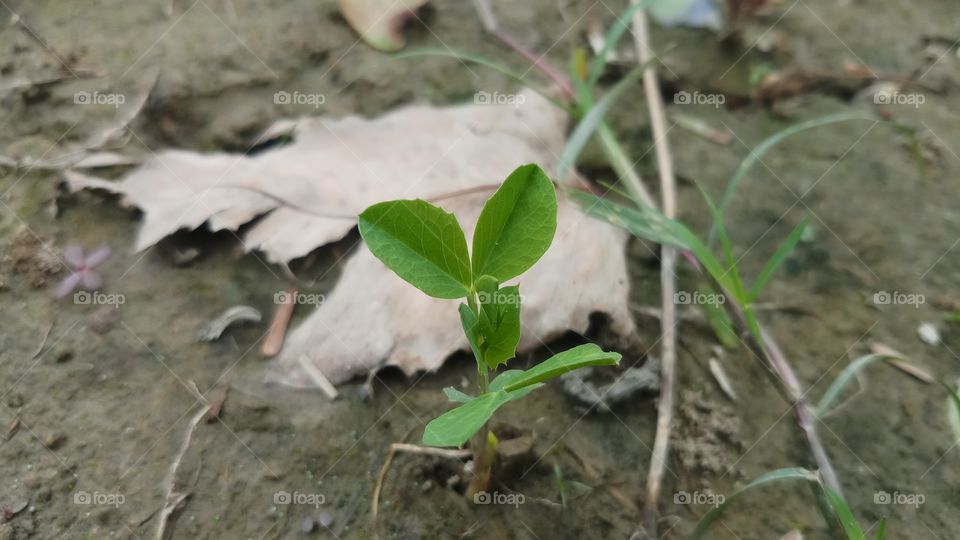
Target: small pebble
x=928, y=333
x=324, y=519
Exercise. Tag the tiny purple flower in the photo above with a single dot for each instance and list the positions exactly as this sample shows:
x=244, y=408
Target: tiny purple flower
x=81, y=269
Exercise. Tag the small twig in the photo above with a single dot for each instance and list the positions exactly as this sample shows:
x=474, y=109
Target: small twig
x=216, y=406
x=278, y=325
x=173, y=500
x=317, y=377
x=668, y=351
x=43, y=342
x=12, y=429
x=18, y=20
x=409, y=449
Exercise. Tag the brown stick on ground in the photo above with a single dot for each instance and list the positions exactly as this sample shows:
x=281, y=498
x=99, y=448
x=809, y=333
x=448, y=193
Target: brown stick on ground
x=278, y=325
x=668, y=351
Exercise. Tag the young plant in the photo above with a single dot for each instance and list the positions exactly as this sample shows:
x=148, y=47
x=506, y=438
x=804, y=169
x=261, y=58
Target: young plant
x=426, y=247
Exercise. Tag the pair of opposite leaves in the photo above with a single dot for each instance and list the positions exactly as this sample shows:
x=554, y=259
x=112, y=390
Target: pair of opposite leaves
x=426, y=247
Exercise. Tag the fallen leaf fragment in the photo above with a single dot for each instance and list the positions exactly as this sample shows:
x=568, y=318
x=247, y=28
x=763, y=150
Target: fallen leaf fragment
x=380, y=22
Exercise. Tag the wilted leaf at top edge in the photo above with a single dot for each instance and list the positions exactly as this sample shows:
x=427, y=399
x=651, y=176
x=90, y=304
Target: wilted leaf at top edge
x=379, y=22
x=421, y=243
x=516, y=225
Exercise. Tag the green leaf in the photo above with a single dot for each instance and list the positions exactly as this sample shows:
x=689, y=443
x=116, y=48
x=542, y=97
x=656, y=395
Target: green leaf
x=720, y=322
x=516, y=225
x=730, y=279
x=465, y=57
x=471, y=328
x=953, y=410
x=456, y=395
x=499, y=324
x=844, y=515
x=421, y=243
x=455, y=427
x=779, y=475
x=569, y=360
x=768, y=143
x=881, y=529
x=643, y=222
x=593, y=119
x=844, y=379
x=778, y=257
x=610, y=40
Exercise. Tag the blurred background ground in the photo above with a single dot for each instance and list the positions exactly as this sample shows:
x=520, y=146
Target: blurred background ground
x=102, y=393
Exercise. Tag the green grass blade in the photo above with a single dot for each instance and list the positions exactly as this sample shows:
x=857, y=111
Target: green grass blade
x=593, y=118
x=843, y=513
x=778, y=257
x=842, y=380
x=881, y=529
x=455, y=395
x=642, y=222
x=757, y=153
x=732, y=274
x=953, y=411
x=466, y=57
x=779, y=475
x=720, y=322
x=651, y=224
x=610, y=40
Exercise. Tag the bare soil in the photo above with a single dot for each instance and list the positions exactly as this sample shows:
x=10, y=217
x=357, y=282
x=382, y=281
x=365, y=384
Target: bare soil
x=98, y=399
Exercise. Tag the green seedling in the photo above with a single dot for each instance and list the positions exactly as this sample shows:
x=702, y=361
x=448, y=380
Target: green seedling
x=426, y=247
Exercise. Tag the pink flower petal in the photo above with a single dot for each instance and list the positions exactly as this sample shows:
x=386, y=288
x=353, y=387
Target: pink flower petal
x=92, y=280
x=73, y=255
x=68, y=284
x=98, y=256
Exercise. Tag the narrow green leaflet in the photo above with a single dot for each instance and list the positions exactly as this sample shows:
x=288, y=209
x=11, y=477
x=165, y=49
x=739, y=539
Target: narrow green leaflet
x=594, y=119
x=845, y=515
x=455, y=427
x=499, y=324
x=558, y=364
x=757, y=152
x=610, y=40
x=465, y=57
x=779, y=475
x=881, y=529
x=456, y=395
x=421, y=243
x=643, y=222
x=516, y=225
x=842, y=380
x=953, y=410
x=778, y=257
x=471, y=328
x=720, y=322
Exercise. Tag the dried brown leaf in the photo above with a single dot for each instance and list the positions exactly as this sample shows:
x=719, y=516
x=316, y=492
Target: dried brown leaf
x=337, y=168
